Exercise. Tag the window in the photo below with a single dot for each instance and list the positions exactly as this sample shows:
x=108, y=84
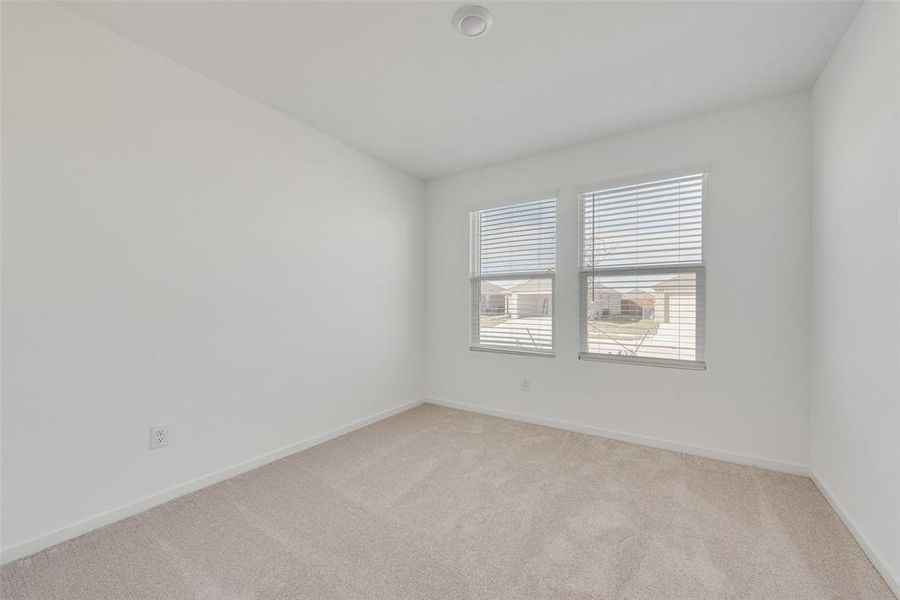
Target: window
x=512, y=275
x=643, y=272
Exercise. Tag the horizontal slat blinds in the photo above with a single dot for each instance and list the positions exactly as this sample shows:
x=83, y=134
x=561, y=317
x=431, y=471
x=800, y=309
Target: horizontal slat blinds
x=653, y=223
x=643, y=273
x=517, y=239
x=513, y=269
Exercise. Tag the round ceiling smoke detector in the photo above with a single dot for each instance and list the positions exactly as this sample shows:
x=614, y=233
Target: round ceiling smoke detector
x=472, y=21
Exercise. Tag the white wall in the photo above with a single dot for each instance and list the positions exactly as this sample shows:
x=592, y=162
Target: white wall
x=753, y=399
x=177, y=253
x=855, y=404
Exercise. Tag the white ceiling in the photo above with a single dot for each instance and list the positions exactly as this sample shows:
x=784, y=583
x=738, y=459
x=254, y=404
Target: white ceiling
x=395, y=80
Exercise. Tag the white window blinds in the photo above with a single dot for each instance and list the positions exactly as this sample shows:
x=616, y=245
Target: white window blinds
x=512, y=277
x=643, y=272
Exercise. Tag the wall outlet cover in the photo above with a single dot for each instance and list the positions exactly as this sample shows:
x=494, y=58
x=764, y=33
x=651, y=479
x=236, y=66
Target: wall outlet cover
x=159, y=436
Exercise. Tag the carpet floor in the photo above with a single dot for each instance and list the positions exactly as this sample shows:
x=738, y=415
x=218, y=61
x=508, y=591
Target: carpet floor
x=439, y=503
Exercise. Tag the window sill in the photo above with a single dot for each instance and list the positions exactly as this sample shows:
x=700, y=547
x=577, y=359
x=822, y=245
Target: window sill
x=508, y=351
x=691, y=365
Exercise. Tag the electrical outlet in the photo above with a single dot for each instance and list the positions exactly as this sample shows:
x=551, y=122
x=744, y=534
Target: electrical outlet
x=525, y=385
x=159, y=436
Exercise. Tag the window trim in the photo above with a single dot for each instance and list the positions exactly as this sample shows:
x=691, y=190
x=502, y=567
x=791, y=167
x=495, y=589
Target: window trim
x=699, y=269
x=474, y=281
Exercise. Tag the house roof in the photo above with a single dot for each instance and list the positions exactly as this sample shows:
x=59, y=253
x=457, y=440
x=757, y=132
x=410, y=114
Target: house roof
x=491, y=288
x=681, y=282
x=531, y=286
x=638, y=292
x=599, y=287
x=642, y=301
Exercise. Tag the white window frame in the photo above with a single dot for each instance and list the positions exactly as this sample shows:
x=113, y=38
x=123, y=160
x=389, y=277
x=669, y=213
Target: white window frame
x=475, y=279
x=699, y=271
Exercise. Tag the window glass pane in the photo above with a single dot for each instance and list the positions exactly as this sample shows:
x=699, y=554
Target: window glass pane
x=516, y=314
x=651, y=315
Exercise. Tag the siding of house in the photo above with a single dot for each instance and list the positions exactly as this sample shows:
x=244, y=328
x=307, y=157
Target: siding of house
x=605, y=301
x=532, y=305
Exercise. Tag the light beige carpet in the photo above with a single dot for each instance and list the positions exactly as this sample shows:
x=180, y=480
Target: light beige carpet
x=438, y=503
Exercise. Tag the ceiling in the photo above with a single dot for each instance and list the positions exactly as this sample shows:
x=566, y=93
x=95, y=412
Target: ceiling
x=396, y=81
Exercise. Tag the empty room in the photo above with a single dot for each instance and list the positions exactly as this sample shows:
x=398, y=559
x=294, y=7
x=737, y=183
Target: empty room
x=435, y=300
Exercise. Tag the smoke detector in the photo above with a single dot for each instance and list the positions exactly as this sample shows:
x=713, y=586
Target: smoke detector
x=472, y=21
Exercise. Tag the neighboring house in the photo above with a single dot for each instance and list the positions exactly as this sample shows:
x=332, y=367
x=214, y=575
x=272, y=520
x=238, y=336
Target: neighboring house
x=531, y=298
x=670, y=301
x=494, y=299
x=604, y=302
x=639, y=303
x=676, y=299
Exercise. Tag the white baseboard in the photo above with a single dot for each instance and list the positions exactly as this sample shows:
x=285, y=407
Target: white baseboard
x=890, y=578
x=68, y=532
x=723, y=455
